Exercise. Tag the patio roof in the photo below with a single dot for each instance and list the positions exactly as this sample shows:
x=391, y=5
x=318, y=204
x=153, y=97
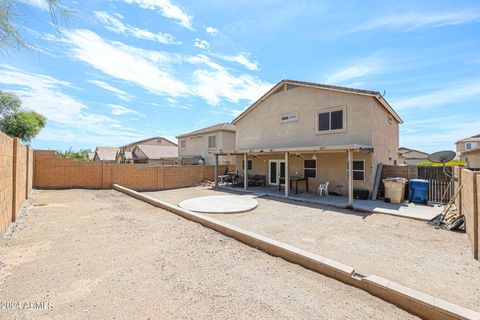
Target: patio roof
x=354, y=147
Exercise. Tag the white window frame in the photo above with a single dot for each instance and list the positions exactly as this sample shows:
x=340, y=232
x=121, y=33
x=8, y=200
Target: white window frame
x=208, y=141
x=364, y=170
x=183, y=143
x=310, y=168
x=248, y=161
x=330, y=110
x=294, y=116
x=468, y=146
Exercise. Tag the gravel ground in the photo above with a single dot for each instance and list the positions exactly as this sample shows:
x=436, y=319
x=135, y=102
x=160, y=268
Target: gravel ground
x=407, y=251
x=104, y=255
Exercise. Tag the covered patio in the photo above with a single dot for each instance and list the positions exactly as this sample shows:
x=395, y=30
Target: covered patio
x=288, y=170
x=405, y=209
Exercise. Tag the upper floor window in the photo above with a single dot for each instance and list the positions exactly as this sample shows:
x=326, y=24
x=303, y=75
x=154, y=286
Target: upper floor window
x=212, y=142
x=471, y=145
x=289, y=117
x=331, y=121
x=183, y=143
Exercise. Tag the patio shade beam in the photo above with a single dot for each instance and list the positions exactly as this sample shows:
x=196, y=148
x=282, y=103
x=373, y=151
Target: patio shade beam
x=245, y=172
x=350, y=178
x=287, y=177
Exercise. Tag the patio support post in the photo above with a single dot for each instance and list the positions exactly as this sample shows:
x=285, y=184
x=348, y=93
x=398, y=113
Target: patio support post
x=216, y=170
x=245, y=171
x=287, y=177
x=350, y=179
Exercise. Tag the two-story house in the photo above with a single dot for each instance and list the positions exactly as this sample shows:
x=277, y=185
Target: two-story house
x=300, y=129
x=199, y=146
x=468, y=150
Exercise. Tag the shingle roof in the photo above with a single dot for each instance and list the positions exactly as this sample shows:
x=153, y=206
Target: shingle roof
x=217, y=127
x=147, y=139
x=374, y=94
x=106, y=153
x=472, y=138
x=158, y=152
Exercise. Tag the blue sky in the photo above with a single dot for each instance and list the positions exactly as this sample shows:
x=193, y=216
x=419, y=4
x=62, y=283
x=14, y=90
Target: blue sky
x=129, y=69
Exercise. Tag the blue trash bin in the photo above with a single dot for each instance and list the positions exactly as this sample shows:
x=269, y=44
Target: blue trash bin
x=418, y=190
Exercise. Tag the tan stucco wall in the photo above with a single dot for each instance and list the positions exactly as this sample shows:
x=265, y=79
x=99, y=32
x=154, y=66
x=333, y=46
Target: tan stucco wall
x=385, y=137
x=198, y=146
x=461, y=145
x=472, y=159
x=261, y=127
x=331, y=167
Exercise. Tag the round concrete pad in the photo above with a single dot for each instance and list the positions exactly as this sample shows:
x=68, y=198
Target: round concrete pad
x=220, y=204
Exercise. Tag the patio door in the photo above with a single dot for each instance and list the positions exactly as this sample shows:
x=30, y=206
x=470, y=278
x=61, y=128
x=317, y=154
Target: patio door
x=276, y=172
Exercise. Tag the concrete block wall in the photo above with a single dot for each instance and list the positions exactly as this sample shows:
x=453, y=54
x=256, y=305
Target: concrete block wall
x=469, y=204
x=15, y=187
x=53, y=172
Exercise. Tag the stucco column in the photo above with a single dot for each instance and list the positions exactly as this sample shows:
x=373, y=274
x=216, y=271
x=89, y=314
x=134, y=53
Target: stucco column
x=287, y=176
x=216, y=170
x=245, y=172
x=350, y=178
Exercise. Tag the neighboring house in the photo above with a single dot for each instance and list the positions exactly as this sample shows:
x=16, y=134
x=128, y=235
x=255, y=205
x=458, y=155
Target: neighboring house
x=155, y=155
x=91, y=156
x=105, y=154
x=153, y=141
x=204, y=143
x=468, y=150
x=318, y=131
x=411, y=156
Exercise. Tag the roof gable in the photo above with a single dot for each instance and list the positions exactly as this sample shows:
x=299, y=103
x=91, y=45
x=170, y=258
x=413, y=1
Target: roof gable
x=285, y=84
x=226, y=126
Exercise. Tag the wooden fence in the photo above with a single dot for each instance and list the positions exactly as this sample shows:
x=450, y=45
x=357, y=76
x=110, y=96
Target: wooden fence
x=441, y=187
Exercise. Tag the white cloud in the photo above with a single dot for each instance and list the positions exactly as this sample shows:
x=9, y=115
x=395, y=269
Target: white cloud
x=168, y=10
x=134, y=65
x=202, y=44
x=40, y=4
x=44, y=94
x=450, y=94
x=412, y=21
x=116, y=25
x=361, y=68
x=243, y=58
x=211, y=31
x=119, y=93
x=119, y=110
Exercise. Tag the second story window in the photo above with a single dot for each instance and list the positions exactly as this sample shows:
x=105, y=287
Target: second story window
x=468, y=146
x=289, y=117
x=212, y=142
x=183, y=143
x=331, y=121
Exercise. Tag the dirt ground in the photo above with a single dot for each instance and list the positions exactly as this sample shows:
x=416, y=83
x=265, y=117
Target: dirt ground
x=407, y=251
x=103, y=255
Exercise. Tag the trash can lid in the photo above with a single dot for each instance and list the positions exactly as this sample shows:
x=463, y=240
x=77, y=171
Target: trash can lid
x=395, y=179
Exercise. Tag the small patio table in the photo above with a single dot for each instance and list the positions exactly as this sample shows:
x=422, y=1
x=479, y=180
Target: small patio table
x=222, y=177
x=296, y=180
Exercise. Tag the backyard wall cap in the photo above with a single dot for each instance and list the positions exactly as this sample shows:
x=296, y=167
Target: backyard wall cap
x=428, y=301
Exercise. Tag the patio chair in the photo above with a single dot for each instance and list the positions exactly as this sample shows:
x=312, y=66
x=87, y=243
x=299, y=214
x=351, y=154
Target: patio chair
x=257, y=180
x=323, y=187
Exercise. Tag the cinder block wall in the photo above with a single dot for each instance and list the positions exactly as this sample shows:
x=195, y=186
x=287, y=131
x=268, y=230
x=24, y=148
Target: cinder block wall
x=52, y=172
x=469, y=204
x=15, y=164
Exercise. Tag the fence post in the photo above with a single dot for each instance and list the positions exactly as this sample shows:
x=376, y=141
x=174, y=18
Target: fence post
x=14, y=177
x=475, y=217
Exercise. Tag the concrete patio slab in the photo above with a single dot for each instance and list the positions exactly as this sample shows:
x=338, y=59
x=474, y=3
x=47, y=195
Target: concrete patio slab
x=405, y=209
x=220, y=204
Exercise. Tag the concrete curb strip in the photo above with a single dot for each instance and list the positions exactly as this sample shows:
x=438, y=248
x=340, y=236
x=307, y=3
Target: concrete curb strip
x=416, y=302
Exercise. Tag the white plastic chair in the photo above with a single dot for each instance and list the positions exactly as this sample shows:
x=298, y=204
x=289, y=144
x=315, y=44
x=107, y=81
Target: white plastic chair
x=323, y=187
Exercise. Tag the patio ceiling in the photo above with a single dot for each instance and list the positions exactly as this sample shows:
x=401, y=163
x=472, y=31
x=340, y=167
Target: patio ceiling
x=353, y=147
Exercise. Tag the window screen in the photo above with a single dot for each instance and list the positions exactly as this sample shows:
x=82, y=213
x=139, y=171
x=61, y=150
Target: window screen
x=212, y=141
